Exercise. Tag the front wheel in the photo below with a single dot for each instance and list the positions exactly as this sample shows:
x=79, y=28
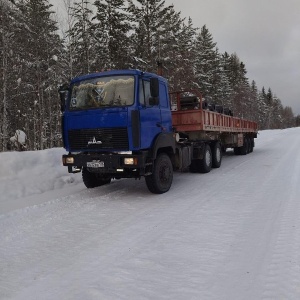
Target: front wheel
x=92, y=180
x=161, y=178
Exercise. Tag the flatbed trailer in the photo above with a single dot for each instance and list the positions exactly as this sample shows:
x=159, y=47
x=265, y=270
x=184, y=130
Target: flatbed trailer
x=200, y=119
x=204, y=120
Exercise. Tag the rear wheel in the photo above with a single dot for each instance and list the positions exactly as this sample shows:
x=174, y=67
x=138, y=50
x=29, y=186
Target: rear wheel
x=194, y=167
x=244, y=148
x=216, y=155
x=251, y=144
x=237, y=150
x=161, y=178
x=204, y=164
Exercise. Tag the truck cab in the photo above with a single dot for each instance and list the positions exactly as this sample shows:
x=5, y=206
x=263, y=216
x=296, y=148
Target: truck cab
x=104, y=112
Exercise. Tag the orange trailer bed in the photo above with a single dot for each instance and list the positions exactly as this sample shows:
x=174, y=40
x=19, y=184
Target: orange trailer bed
x=199, y=119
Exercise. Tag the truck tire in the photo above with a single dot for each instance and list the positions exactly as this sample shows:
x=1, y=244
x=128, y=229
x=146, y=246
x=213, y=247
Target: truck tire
x=244, y=148
x=248, y=144
x=92, y=180
x=194, y=166
x=205, y=163
x=237, y=150
x=216, y=155
x=251, y=145
x=161, y=178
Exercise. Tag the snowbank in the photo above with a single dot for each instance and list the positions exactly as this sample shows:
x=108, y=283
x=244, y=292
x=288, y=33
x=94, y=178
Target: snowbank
x=33, y=172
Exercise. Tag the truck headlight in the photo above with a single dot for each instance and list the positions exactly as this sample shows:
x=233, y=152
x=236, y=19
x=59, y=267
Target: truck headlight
x=69, y=160
x=130, y=161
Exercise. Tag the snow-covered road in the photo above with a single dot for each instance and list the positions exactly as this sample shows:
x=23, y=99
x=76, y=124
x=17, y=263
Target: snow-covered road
x=233, y=233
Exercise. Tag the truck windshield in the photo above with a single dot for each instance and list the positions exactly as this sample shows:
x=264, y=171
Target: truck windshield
x=102, y=92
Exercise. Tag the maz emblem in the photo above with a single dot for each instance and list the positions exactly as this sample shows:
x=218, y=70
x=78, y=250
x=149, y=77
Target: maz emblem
x=94, y=142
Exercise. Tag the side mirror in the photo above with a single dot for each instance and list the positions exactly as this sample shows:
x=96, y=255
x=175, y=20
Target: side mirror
x=154, y=91
x=63, y=91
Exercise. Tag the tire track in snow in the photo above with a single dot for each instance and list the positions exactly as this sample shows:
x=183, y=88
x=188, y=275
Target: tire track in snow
x=243, y=269
x=283, y=276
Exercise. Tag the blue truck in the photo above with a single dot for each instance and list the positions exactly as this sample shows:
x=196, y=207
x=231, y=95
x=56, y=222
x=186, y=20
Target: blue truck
x=125, y=124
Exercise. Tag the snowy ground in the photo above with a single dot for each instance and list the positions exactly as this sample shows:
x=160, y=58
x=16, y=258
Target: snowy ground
x=231, y=234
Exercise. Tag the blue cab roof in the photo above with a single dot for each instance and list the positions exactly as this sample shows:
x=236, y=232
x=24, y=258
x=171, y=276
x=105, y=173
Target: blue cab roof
x=114, y=73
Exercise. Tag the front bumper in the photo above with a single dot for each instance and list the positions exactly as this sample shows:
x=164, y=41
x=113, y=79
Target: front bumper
x=108, y=163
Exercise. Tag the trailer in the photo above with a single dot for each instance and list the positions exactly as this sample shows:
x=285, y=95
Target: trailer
x=201, y=123
x=126, y=124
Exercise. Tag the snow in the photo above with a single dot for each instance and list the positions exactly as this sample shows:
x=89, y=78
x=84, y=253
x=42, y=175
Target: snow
x=231, y=234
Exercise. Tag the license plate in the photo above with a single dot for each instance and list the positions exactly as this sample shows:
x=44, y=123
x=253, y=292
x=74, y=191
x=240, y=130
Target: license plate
x=95, y=164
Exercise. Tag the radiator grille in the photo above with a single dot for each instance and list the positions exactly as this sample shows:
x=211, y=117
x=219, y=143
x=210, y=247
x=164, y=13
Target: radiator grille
x=104, y=138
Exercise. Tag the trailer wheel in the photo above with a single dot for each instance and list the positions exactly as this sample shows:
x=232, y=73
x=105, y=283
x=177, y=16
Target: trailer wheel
x=205, y=163
x=161, y=178
x=244, y=148
x=251, y=145
x=237, y=150
x=216, y=155
x=194, y=166
x=92, y=180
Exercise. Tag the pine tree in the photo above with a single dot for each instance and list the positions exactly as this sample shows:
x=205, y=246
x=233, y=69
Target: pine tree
x=6, y=37
x=288, y=119
x=111, y=32
x=68, y=51
x=241, y=92
x=204, y=60
x=297, y=120
x=148, y=19
x=169, y=52
x=43, y=49
x=12, y=54
x=256, y=108
x=220, y=91
x=183, y=77
x=224, y=90
x=81, y=38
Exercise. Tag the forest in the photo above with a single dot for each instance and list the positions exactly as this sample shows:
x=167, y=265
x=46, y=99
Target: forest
x=37, y=56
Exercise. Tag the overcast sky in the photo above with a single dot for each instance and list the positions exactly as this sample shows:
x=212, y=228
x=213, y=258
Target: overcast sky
x=265, y=34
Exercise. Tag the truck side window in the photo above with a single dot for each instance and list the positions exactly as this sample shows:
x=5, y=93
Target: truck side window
x=144, y=92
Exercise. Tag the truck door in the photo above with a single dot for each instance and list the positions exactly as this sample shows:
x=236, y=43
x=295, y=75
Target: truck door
x=150, y=116
x=165, y=110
